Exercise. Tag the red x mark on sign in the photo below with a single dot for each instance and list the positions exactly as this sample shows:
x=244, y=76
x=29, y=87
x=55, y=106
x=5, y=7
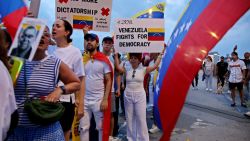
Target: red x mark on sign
x=105, y=11
x=61, y=1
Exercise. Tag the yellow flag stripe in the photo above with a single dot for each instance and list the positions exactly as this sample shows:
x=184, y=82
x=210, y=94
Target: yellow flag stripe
x=85, y=18
x=154, y=9
x=156, y=30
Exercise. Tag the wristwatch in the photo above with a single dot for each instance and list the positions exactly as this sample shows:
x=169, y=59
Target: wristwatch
x=63, y=89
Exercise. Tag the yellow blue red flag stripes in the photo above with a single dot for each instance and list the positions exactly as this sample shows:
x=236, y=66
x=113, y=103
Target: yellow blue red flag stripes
x=11, y=14
x=80, y=22
x=156, y=34
x=156, y=11
x=191, y=40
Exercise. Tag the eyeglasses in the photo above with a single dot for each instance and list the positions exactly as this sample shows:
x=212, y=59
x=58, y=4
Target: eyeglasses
x=133, y=75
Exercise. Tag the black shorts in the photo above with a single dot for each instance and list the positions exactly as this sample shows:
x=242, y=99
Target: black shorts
x=68, y=116
x=238, y=85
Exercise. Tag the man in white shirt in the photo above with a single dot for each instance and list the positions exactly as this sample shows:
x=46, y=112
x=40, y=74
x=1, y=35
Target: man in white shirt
x=98, y=70
x=237, y=77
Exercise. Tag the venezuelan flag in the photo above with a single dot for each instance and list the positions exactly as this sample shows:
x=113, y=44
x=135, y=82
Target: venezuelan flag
x=156, y=11
x=80, y=22
x=11, y=14
x=200, y=28
x=156, y=34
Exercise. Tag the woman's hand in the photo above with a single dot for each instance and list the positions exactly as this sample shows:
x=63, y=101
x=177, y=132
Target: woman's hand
x=54, y=96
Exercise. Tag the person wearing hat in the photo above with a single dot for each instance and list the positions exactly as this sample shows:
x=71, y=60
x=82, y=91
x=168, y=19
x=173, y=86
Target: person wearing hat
x=108, y=45
x=99, y=76
x=221, y=70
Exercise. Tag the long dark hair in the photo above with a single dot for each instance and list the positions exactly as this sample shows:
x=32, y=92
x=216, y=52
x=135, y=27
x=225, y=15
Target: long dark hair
x=5, y=38
x=68, y=27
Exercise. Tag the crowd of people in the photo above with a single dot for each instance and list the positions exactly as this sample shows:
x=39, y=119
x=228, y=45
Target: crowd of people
x=95, y=83
x=233, y=71
x=91, y=82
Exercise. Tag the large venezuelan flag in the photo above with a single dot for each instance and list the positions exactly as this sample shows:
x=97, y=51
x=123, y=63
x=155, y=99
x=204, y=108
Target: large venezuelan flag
x=201, y=27
x=11, y=14
x=156, y=11
x=80, y=22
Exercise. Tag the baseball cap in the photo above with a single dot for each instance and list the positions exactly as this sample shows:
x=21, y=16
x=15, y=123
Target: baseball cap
x=92, y=36
x=108, y=39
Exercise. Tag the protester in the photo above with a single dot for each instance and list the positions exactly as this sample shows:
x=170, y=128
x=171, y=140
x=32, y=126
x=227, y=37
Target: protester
x=7, y=98
x=221, y=70
x=70, y=55
x=195, y=82
x=236, y=77
x=246, y=89
x=38, y=79
x=98, y=88
x=26, y=39
x=208, y=71
x=107, y=44
x=135, y=97
x=153, y=58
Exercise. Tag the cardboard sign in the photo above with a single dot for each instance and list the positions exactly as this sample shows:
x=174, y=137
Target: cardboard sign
x=27, y=38
x=139, y=35
x=93, y=13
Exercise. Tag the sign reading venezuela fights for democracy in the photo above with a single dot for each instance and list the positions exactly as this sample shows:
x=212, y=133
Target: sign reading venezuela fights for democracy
x=95, y=14
x=139, y=35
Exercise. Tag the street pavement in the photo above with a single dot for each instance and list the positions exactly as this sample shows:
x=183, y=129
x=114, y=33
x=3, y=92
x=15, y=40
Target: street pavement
x=206, y=116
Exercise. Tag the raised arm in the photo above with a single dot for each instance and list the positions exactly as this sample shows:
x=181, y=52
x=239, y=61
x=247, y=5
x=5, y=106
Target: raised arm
x=157, y=62
x=119, y=68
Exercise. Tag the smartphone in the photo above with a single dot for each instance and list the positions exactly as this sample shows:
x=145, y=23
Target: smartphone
x=17, y=64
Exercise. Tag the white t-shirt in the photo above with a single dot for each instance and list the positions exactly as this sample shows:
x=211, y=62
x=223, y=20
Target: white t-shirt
x=73, y=58
x=7, y=101
x=135, y=84
x=235, y=69
x=209, y=68
x=94, y=79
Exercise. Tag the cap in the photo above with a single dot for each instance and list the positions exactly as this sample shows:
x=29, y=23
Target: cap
x=222, y=57
x=108, y=39
x=92, y=36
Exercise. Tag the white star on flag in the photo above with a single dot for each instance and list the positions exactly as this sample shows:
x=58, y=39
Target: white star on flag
x=157, y=89
x=176, y=33
x=182, y=28
x=188, y=25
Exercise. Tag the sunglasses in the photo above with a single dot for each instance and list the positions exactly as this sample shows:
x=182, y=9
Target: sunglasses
x=133, y=75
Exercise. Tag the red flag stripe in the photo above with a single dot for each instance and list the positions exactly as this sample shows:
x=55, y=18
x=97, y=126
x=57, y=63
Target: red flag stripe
x=218, y=17
x=12, y=21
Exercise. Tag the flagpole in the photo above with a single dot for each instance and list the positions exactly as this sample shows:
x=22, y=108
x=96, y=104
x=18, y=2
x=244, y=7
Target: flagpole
x=34, y=7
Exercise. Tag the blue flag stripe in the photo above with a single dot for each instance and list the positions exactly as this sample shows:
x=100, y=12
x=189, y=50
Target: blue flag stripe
x=190, y=15
x=9, y=6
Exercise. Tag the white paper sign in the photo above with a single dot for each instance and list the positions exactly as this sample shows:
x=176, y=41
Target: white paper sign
x=27, y=38
x=139, y=35
x=93, y=13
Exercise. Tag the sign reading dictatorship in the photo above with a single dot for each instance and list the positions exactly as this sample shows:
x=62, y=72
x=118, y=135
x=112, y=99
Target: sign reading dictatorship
x=95, y=14
x=139, y=35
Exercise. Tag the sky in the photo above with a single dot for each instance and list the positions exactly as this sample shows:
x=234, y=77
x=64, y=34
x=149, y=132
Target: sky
x=238, y=35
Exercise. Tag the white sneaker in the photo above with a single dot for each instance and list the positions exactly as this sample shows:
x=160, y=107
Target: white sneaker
x=114, y=138
x=206, y=89
x=154, y=129
x=210, y=90
x=247, y=114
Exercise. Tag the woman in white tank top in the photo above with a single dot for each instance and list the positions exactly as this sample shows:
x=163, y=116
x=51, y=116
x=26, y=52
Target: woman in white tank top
x=134, y=96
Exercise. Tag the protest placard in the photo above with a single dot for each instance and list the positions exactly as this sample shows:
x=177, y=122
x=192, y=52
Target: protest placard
x=27, y=38
x=139, y=35
x=93, y=13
